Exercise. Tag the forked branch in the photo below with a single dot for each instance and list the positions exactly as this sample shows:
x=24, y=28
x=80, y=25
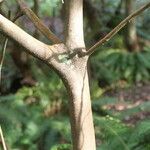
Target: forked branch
x=38, y=23
x=115, y=30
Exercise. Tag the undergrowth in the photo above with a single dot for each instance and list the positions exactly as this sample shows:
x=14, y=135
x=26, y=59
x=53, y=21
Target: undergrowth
x=115, y=64
x=25, y=127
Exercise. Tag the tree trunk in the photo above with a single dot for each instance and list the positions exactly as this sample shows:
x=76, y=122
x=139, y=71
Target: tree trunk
x=131, y=40
x=80, y=111
x=78, y=84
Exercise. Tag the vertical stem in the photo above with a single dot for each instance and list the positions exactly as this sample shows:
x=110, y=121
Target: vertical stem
x=74, y=24
x=131, y=39
x=83, y=136
x=2, y=138
x=82, y=127
x=2, y=59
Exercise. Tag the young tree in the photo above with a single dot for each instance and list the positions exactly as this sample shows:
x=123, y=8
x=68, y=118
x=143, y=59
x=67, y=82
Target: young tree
x=69, y=59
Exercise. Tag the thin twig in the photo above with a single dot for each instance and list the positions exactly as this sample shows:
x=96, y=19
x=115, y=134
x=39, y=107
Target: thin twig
x=2, y=59
x=115, y=30
x=2, y=138
x=38, y=23
x=3, y=52
x=18, y=15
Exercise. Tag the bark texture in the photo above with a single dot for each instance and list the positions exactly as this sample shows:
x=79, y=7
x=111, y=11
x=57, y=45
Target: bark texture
x=81, y=113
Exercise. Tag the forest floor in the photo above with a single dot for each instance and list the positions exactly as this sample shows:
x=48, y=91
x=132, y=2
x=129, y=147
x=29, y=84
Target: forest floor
x=136, y=97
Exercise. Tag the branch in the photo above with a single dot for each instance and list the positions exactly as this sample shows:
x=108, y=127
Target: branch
x=74, y=24
x=32, y=45
x=36, y=7
x=2, y=59
x=2, y=138
x=114, y=31
x=37, y=22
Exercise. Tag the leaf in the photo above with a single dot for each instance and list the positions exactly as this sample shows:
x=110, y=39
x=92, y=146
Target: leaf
x=112, y=59
x=124, y=61
x=62, y=147
x=143, y=61
x=128, y=73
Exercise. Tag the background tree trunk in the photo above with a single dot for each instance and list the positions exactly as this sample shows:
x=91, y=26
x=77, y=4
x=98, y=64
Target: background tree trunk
x=131, y=40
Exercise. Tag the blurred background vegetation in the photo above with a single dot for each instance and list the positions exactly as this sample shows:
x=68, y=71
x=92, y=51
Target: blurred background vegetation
x=33, y=100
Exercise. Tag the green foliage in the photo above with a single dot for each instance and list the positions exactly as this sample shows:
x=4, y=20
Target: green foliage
x=46, y=7
x=113, y=134
x=139, y=139
x=143, y=23
x=62, y=147
x=29, y=128
x=49, y=87
x=25, y=126
x=49, y=7
x=116, y=135
x=23, y=117
x=117, y=65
